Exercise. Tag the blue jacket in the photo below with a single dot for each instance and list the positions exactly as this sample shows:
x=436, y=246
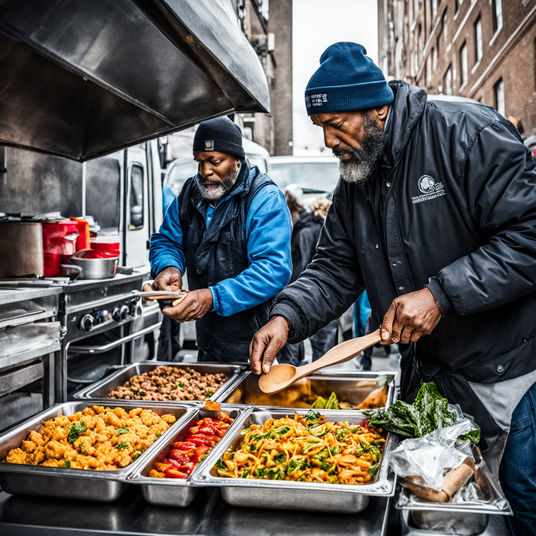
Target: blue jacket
x=268, y=231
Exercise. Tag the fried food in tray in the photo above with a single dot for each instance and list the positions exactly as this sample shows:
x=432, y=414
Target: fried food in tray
x=103, y=439
x=170, y=383
x=305, y=448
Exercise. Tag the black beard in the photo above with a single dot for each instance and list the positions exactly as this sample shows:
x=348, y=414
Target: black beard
x=359, y=167
x=215, y=194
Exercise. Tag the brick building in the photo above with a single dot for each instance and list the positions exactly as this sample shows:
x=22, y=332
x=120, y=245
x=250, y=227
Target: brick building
x=481, y=49
x=268, y=27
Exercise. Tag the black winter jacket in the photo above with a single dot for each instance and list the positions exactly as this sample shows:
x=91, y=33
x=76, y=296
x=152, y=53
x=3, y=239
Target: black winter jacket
x=451, y=206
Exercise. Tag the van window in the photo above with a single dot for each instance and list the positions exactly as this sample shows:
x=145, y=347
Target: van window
x=103, y=187
x=258, y=161
x=179, y=172
x=136, y=196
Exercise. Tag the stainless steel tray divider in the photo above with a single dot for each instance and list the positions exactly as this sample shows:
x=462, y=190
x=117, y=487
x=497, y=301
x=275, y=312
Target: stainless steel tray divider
x=100, y=389
x=284, y=494
x=180, y=492
x=103, y=486
x=231, y=387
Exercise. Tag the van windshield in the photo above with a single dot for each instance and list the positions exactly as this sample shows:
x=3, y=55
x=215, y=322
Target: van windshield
x=179, y=173
x=309, y=176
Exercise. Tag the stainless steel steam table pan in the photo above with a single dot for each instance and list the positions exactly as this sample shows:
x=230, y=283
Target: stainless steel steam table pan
x=290, y=495
x=101, y=388
x=352, y=387
x=469, y=517
x=179, y=492
x=88, y=484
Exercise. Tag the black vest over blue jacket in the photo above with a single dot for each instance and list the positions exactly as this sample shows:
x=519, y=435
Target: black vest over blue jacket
x=220, y=252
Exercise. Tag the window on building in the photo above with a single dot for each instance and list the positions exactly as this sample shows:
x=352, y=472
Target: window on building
x=463, y=65
x=497, y=14
x=447, y=81
x=478, y=39
x=498, y=94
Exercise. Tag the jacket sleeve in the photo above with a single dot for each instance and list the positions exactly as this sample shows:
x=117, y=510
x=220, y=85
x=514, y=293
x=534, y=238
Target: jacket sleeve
x=330, y=283
x=500, y=183
x=268, y=229
x=166, y=244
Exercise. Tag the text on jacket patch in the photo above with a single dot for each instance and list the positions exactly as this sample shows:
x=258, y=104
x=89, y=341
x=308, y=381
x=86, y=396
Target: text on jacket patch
x=430, y=188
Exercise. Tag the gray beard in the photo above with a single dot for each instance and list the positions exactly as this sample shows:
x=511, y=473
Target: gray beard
x=358, y=169
x=215, y=194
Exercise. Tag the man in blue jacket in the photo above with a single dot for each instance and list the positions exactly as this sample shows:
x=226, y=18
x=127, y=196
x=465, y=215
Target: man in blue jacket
x=229, y=229
x=436, y=218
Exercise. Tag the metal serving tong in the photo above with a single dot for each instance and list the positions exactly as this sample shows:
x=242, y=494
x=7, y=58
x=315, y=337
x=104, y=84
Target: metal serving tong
x=166, y=298
x=161, y=294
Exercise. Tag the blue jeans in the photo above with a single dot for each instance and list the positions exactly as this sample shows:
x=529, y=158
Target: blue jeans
x=518, y=466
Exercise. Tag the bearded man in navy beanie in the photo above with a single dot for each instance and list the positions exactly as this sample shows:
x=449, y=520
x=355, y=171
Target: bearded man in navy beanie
x=435, y=217
x=229, y=229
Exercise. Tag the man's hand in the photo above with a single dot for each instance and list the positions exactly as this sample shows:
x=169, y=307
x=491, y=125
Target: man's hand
x=195, y=305
x=410, y=317
x=266, y=343
x=169, y=278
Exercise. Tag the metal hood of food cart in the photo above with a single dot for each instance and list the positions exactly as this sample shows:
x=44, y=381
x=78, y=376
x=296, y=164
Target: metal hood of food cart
x=84, y=78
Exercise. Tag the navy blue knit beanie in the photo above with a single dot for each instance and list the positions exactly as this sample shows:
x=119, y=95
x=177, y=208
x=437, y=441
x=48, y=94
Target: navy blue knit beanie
x=219, y=134
x=346, y=80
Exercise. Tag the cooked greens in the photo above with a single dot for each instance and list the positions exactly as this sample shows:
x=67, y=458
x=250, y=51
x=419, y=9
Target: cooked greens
x=429, y=412
x=322, y=403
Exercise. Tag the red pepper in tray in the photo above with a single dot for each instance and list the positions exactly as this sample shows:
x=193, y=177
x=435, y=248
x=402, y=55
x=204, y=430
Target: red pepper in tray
x=184, y=455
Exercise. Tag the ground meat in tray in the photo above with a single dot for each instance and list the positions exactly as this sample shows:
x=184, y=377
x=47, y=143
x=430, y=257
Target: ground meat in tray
x=170, y=383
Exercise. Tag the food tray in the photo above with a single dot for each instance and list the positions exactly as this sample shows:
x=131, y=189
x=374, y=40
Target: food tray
x=178, y=492
x=101, y=388
x=290, y=495
x=352, y=387
x=469, y=517
x=86, y=484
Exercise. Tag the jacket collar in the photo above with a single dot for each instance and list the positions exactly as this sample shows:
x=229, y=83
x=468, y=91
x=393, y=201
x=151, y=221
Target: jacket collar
x=404, y=114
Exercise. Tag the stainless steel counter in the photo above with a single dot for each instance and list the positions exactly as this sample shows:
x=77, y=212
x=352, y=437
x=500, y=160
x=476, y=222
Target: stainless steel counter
x=208, y=515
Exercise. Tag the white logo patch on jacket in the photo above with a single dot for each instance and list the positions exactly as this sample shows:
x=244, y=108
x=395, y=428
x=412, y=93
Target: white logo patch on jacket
x=430, y=188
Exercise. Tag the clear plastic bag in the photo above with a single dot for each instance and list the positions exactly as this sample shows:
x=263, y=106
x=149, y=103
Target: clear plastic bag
x=431, y=455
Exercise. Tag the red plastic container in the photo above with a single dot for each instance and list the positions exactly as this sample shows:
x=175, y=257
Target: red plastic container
x=59, y=244
x=111, y=249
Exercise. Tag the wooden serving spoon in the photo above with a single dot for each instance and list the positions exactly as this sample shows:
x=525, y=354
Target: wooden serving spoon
x=282, y=375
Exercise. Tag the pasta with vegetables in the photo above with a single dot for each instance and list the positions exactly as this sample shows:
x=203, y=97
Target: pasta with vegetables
x=305, y=448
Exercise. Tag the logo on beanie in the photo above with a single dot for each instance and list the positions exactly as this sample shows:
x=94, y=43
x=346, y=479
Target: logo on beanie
x=430, y=187
x=209, y=145
x=316, y=99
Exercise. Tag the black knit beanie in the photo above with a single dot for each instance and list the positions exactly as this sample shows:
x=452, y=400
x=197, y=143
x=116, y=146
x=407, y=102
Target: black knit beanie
x=219, y=134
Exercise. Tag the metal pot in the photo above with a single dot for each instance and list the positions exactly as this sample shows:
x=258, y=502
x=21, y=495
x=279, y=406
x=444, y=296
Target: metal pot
x=89, y=268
